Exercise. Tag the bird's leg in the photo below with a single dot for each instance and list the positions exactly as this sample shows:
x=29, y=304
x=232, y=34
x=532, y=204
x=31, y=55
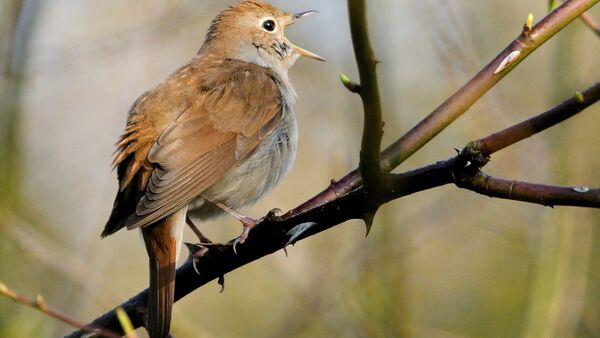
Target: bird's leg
x=203, y=239
x=247, y=222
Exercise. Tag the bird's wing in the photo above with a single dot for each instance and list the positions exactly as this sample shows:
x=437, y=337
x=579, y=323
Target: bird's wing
x=223, y=114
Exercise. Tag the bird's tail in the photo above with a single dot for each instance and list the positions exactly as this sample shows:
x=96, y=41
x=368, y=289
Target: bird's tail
x=162, y=241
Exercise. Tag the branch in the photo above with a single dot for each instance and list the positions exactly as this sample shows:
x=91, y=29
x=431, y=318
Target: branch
x=40, y=304
x=547, y=195
x=370, y=163
x=536, y=124
x=270, y=236
x=460, y=101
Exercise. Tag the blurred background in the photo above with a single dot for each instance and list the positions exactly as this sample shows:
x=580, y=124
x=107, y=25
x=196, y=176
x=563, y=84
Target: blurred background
x=441, y=263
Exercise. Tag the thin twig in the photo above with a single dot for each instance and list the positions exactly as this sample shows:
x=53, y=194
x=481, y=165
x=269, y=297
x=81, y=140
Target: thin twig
x=547, y=195
x=40, y=304
x=538, y=123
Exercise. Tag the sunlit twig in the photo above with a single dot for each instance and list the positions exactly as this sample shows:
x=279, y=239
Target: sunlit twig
x=40, y=304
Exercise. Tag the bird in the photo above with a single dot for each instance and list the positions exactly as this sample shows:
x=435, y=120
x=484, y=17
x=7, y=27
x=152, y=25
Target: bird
x=214, y=136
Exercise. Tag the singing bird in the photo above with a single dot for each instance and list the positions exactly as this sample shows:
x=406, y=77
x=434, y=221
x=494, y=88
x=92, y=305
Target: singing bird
x=216, y=135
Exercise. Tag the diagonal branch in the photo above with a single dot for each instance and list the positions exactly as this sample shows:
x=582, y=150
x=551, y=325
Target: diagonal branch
x=547, y=195
x=40, y=304
x=538, y=123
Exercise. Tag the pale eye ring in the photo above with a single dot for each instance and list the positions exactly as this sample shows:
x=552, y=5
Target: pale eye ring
x=268, y=25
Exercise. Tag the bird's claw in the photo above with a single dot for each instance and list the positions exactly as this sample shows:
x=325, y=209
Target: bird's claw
x=196, y=251
x=241, y=238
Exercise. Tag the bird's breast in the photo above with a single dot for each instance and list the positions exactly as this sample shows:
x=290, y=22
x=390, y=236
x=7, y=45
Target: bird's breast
x=244, y=184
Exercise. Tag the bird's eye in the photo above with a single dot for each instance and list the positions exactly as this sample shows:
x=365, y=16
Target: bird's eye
x=269, y=25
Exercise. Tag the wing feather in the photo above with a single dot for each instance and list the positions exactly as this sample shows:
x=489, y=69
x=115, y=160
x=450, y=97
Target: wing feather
x=214, y=125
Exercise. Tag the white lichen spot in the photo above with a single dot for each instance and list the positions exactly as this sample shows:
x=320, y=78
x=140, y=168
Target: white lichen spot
x=510, y=58
x=581, y=189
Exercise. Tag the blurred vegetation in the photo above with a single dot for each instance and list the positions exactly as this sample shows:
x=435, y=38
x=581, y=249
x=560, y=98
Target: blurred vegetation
x=442, y=263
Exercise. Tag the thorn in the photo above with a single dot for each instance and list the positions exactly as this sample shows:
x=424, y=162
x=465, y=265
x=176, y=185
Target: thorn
x=510, y=58
x=368, y=219
x=221, y=282
x=349, y=84
x=457, y=150
x=579, y=97
x=298, y=230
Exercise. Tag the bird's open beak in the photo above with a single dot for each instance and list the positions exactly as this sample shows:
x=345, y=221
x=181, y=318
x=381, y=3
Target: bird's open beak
x=299, y=50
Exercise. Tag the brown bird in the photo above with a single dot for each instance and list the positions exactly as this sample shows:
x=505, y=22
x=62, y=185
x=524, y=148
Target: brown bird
x=216, y=135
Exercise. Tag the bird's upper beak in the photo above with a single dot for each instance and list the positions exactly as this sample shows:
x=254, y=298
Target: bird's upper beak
x=299, y=50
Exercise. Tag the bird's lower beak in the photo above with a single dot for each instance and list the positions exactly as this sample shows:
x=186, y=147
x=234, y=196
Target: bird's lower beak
x=299, y=50
x=308, y=54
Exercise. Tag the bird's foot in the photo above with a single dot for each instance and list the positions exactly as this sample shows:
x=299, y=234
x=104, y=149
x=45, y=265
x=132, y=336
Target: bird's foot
x=244, y=235
x=249, y=223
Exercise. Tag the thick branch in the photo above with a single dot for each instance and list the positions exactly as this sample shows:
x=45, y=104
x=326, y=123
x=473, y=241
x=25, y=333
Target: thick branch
x=270, y=236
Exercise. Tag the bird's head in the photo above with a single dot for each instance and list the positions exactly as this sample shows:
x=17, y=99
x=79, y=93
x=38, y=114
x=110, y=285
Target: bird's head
x=253, y=31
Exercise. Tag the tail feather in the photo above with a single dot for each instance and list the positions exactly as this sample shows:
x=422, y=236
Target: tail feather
x=161, y=298
x=162, y=240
